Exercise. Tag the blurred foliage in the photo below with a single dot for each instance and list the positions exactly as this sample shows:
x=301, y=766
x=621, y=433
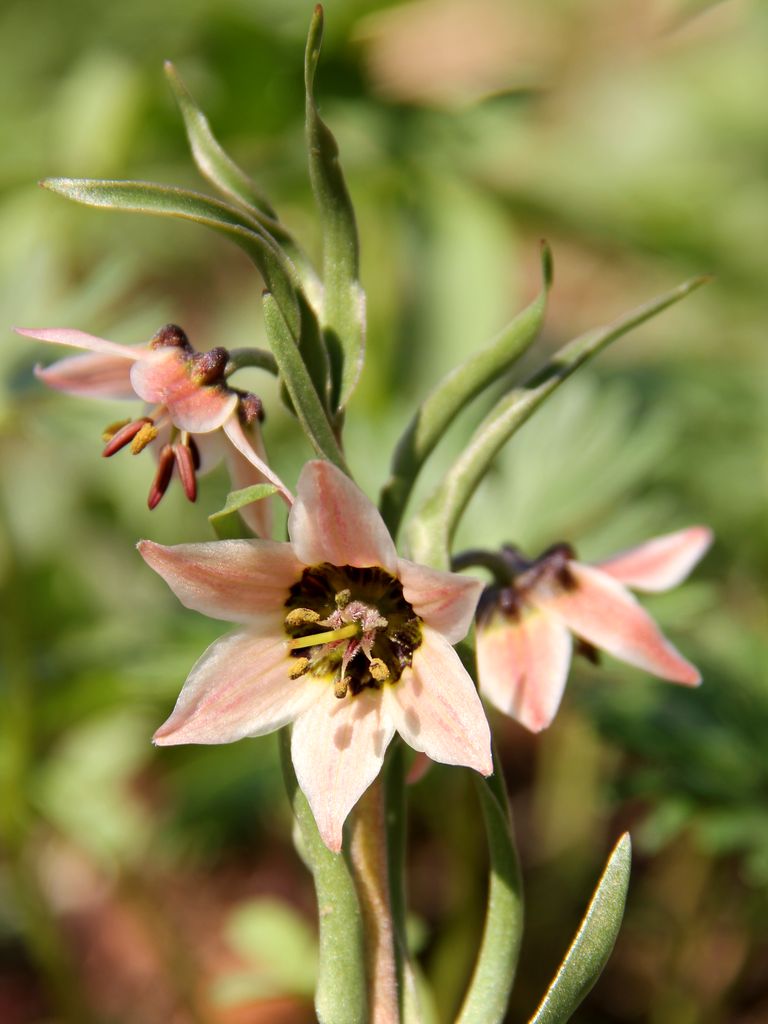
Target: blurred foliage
x=633, y=137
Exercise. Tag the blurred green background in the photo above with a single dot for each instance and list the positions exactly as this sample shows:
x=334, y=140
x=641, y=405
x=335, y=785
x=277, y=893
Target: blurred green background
x=154, y=886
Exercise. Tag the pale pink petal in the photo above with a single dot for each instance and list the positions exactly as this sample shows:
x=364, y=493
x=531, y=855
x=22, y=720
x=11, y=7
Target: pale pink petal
x=91, y=376
x=211, y=448
x=234, y=431
x=661, y=563
x=235, y=580
x=259, y=514
x=240, y=687
x=338, y=747
x=604, y=613
x=436, y=708
x=79, y=339
x=522, y=665
x=444, y=600
x=333, y=521
x=163, y=377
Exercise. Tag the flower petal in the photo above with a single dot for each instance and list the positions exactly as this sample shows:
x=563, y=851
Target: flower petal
x=446, y=601
x=599, y=609
x=523, y=665
x=436, y=708
x=91, y=376
x=661, y=563
x=259, y=514
x=338, y=747
x=163, y=377
x=79, y=339
x=333, y=521
x=235, y=580
x=240, y=687
x=236, y=434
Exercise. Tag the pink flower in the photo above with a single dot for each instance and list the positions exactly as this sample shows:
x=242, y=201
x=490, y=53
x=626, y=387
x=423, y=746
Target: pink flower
x=190, y=406
x=342, y=638
x=524, y=628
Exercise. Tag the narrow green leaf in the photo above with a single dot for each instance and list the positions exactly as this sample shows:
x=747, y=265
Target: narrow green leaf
x=278, y=272
x=341, y=993
x=212, y=161
x=431, y=531
x=303, y=394
x=343, y=318
x=226, y=521
x=594, y=941
x=488, y=993
x=441, y=406
x=217, y=167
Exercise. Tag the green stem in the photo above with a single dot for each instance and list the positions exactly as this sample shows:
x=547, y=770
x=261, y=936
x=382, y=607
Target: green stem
x=341, y=994
x=239, y=358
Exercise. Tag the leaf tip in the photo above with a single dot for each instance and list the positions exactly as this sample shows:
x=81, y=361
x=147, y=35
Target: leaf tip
x=547, y=264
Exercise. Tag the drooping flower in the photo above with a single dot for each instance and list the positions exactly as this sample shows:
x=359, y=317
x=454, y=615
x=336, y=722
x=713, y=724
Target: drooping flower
x=343, y=638
x=525, y=622
x=190, y=405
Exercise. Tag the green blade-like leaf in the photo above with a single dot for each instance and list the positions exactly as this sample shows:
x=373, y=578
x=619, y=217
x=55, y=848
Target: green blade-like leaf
x=217, y=167
x=442, y=405
x=344, y=302
x=341, y=993
x=226, y=521
x=488, y=993
x=298, y=383
x=431, y=531
x=279, y=274
x=594, y=941
x=212, y=161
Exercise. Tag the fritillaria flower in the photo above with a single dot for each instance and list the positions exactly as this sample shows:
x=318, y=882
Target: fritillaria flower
x=342, y=637
x=189, y=405
x=525, y=622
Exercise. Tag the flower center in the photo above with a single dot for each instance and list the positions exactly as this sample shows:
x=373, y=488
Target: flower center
x=352, y=626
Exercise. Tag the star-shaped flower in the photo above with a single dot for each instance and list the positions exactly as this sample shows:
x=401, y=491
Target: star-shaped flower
x=190, y=405
x=343, y=638
x=524, y=626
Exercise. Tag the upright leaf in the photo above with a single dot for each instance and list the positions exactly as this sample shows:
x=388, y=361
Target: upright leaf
x=442, y=405
x=343, y=318
x=432, y=530
x=594, y=941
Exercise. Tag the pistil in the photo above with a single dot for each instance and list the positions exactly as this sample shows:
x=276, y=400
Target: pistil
x=329, y=637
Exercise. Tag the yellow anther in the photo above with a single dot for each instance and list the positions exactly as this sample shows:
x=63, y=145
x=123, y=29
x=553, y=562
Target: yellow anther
x=299, y=667
x=343, y=598
x=110, y=431
x=340, y=688
x=145, y=436
x=378, y=670
x=301, y=617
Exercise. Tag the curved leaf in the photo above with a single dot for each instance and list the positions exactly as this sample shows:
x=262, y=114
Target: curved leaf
x=432, y=530
x=226, y=522
x=442, y=405
x=278, y=272
x=344, y=301
x=594, y=941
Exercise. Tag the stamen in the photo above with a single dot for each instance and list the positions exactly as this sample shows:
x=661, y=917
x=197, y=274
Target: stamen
x=340, y=688
x=378, y=670
x=331, y=636
x=124, y=436
x=299, y=667
x=301, y=617
x=109, y=432
x=343, y=598
x=145, y=436
x=186, y=467
x=162, y=477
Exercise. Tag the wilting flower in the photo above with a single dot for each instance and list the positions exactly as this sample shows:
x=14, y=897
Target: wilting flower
x=342, y=638
x=189, y=403
x=524, y=625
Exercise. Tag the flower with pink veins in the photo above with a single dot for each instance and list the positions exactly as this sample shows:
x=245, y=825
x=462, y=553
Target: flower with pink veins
x=525, y=621
x=342, y=637
x=190, y=405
